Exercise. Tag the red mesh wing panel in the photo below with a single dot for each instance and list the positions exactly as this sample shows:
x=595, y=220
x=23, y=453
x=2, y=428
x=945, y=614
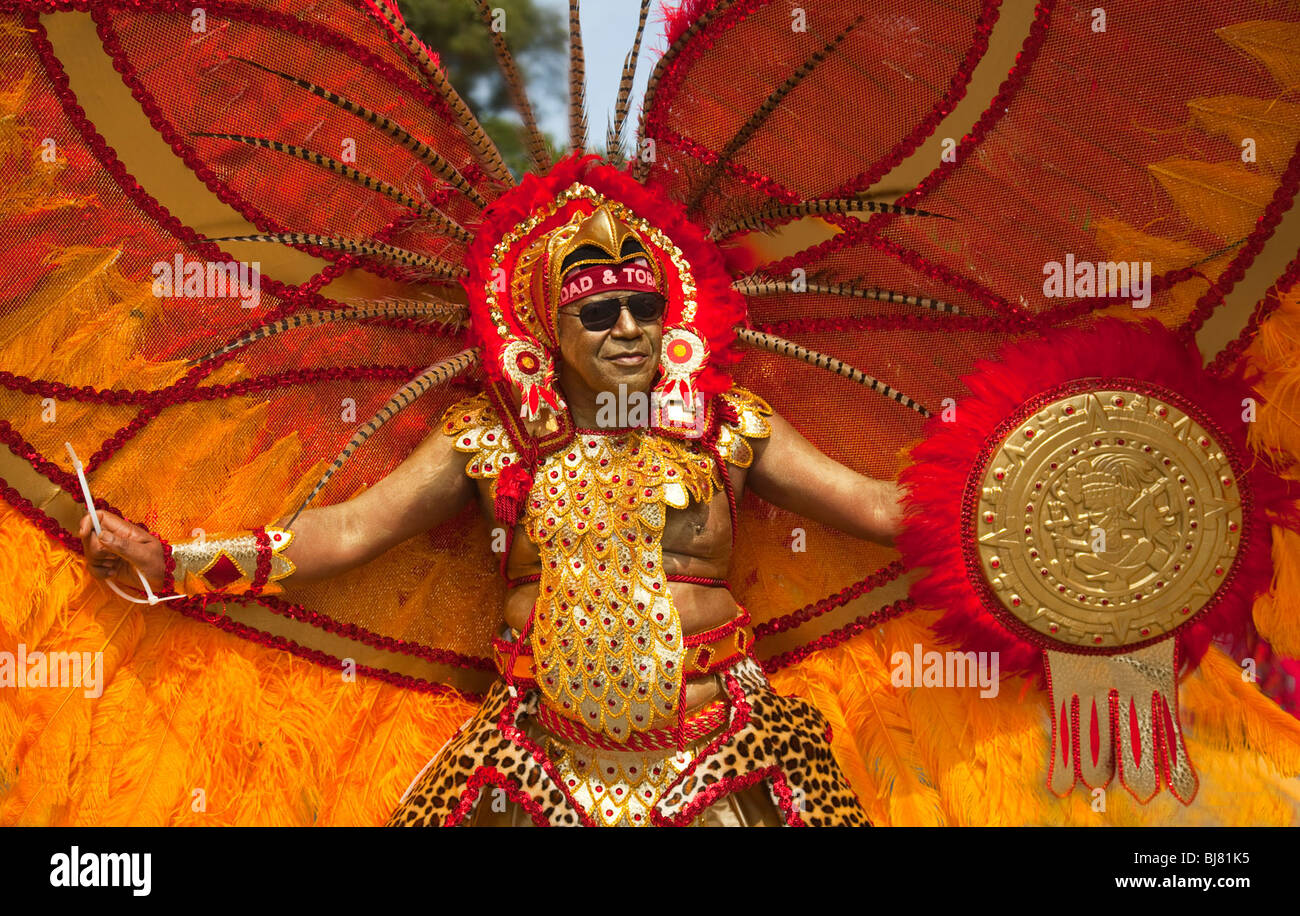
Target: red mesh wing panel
x=92, y=356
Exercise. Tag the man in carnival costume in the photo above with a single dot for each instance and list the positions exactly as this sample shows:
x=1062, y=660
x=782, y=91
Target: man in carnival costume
x=1103, y=513
x=614, y=452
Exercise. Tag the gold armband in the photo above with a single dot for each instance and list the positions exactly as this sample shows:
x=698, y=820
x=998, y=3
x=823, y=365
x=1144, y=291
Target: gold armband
x=241, y=563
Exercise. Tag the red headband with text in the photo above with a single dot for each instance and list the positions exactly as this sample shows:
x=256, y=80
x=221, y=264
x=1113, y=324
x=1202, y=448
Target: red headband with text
x=633, y=276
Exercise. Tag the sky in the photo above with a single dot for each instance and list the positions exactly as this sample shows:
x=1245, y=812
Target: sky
x=608, y=27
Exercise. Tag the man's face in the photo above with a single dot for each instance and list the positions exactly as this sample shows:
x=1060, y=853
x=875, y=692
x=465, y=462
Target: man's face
x=626, y=354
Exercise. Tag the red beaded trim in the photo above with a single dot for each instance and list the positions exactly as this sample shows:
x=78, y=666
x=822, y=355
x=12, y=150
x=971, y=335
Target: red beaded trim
x=673, y=75
x=270, y=19
x=221, y=189
x=925, y=322
x=671, y=577
x=1271, y=300
x=184, y=393
x=810, y=611
x=358, y=633
x=38, y=518
x=740, y=715
x=984, y=22
x=263, y=573
x=855, y=230
x=489, y=775
x=506, y=725
x=998, y=107
x=746, y=176
x=1283, y=198
x=844, y=633
x=718, y=632
x=168, y=586
x=696, y=726
x=339, y=262
x=273, y=603
x=196, y=608
x=730, y=784
x=108, y=158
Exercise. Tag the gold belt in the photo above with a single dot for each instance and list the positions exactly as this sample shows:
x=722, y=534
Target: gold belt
x=707, y=652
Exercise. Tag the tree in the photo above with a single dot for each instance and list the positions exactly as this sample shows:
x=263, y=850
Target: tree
x=536, y=36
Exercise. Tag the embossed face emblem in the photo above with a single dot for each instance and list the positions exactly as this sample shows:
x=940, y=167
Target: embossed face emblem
x=1105, y=520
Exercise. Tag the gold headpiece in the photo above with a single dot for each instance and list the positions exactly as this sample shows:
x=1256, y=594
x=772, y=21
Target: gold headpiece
x=539, y=271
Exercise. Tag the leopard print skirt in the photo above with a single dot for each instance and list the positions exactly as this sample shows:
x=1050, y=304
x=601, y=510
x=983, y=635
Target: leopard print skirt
x=769, y=763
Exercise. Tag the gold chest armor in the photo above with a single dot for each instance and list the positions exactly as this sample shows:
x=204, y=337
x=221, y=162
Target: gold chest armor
x=606, y=638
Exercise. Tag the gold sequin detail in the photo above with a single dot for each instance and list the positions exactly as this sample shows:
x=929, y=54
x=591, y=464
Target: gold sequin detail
x=753, y=412
x=607, y=640
x=618, y=788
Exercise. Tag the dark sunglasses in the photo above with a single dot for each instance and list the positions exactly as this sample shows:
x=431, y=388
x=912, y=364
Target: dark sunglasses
x=603, y=315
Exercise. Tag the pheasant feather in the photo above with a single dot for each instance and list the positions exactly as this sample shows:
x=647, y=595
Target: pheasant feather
x=818, y=207
x=770, y=104
x=614, y=136
x=427, y=154
x=403, y=398
x=448, y=226
x=760, y=287
x=365, y=248
x=484, y=148
x=783, y=347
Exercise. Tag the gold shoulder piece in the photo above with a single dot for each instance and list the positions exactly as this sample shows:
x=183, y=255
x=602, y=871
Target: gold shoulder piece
x=733, y=438
x=477, y=430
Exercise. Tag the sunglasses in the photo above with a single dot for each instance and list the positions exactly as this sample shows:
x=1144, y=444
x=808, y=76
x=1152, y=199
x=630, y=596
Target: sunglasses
x=604, y=314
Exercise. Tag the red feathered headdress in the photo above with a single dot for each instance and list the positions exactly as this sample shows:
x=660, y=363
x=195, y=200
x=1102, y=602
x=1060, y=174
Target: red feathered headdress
x=513, y=282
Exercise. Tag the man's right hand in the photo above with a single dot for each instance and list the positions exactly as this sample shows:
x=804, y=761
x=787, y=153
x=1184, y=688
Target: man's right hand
x=121, y=541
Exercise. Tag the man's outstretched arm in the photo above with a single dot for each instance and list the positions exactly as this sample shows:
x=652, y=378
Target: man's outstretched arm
x=789, y=472
x=428, y=488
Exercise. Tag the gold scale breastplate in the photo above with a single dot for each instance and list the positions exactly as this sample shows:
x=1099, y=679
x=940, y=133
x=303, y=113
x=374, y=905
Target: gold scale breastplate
x=606, y=638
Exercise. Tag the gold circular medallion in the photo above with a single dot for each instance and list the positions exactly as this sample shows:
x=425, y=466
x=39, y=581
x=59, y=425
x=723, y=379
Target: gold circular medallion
x=1105, y=520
